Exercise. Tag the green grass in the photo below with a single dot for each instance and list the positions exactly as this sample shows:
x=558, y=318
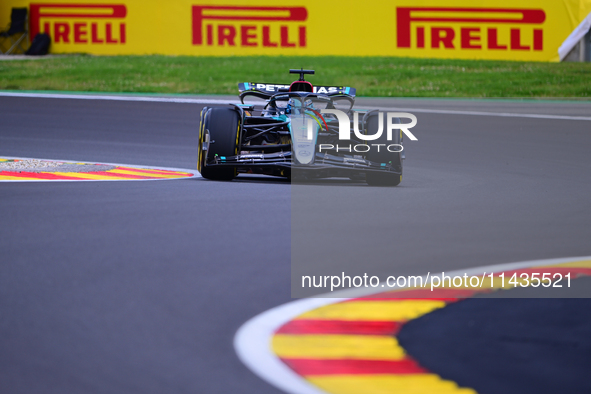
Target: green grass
x=372, y=76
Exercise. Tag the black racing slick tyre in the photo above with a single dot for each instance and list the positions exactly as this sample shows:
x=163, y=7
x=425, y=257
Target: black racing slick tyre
x=221, y=128
x=383, y=155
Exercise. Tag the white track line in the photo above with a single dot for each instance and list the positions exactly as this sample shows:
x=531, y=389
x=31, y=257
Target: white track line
x=479, y=113
x=252, y=341
x=181, y=100
x=216, y=101
x=194, y=172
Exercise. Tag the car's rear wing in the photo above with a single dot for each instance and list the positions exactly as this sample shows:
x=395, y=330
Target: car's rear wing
x=269, y=89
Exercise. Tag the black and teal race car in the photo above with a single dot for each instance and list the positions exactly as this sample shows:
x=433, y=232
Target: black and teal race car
x=296, y=133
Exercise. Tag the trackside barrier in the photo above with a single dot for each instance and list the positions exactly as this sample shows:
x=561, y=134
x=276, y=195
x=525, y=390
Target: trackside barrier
x=460, y=29
x=576, y=37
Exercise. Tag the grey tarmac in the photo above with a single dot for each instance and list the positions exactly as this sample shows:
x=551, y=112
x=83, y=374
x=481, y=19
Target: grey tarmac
x=139, y=287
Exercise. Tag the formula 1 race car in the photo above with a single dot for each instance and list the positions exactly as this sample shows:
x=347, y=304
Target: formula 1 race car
x=296, y=133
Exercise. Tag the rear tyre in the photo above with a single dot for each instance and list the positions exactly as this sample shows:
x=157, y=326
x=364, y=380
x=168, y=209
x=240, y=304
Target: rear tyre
x=383, y=156
x=222, y=127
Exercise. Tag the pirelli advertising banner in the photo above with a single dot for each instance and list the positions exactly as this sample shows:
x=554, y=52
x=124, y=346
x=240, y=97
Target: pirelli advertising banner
x=462, y=29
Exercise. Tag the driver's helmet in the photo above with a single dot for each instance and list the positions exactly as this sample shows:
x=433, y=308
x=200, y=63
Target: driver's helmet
x=295, y=105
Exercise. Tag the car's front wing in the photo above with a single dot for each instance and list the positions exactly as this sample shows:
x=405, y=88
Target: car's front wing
x=281, y=164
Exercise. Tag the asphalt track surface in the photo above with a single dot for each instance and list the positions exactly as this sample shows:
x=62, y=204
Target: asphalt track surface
x=139, y=287
x=506, y=345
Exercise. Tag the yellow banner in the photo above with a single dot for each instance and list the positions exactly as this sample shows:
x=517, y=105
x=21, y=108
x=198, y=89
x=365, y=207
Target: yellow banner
x=461, y=29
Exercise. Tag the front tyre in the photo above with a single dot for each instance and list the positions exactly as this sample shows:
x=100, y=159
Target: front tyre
x=383, y=156
x=218, y=136
x=382, y=179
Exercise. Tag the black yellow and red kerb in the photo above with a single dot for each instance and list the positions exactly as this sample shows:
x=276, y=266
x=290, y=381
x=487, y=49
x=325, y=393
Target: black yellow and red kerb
x=110, y=173
x=350, y=347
